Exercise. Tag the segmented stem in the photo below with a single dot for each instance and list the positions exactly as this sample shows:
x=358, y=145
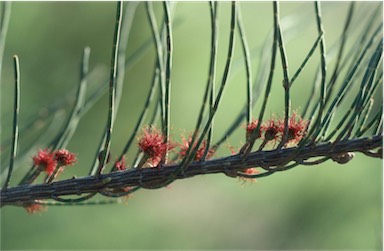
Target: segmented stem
x=16, y=110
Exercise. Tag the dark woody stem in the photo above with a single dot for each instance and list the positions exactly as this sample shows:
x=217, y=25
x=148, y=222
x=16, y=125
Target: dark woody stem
x=276, y=160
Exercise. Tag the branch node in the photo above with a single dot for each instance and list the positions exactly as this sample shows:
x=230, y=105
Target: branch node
x=343, y=158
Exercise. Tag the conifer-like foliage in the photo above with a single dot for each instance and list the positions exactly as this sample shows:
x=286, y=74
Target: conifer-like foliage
x=341, y=115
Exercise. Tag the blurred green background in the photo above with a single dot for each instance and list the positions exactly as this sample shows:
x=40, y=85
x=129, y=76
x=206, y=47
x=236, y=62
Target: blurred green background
x=328, y=206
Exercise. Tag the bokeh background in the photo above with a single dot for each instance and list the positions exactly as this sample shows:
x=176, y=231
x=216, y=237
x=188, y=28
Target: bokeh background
x=328, y=206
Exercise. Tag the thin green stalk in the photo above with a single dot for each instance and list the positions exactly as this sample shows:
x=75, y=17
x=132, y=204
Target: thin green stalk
x=82, y=203
x=346, y=115
x=377, y=13
x=249, y=145
x=323, y=86
x=369, y=104
x=367, y=111
x=74, y=118
x=375, y=121
x=77, y=200
x=121, y=66
x=248, y=67
x=16, y=110
x=192, y=150
x=211, y=75
x=315, y=125
x=309, y=55
x=312, y=93
x=343, y=90
x=291, y=24
x=119, y=194
x=365, y=85
x=160, y=57
x=317, y=79
x=168, y=70
x=340, y=53
x=286, y=83
x=112, y=89
x=328, y=120
x=379, y=128
x=209, y=89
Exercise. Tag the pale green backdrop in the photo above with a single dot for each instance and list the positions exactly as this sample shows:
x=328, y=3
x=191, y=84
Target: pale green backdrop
x=328, y=206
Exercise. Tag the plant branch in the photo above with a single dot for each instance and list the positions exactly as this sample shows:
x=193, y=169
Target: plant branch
x=275, y=161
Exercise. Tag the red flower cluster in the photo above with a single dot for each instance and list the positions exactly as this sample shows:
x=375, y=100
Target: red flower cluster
x=34, y=208
x=251, y=127
x=152, y=144
x=200, y=152
x=48, y=161
x=249, y=171
x=120, y=165
x=45, y=160
x=297, y=128
x=272, y=130
x=65, y=157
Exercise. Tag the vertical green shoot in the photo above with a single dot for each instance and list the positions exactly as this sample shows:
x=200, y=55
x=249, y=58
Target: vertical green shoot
x=169, y=50
x=16, y=110
x=159, y=57
x=286, y=83
x=248, y=67
x=112, y=89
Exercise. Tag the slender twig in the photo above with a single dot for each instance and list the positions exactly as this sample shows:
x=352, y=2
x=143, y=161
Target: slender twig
x=192, y=150
x=323, y=86
x=291, y=26
x=16, y=110
x=76, y=203
x=112, y=89
x=365, y=85
x=339, y=97
x=74, y=118
x=286, y=83
x=249, y=145
x=159, y=57
x=211, y=75
x=377, y=117
x=248, y=67
x=168, y=70
x=340, y=53
x=76, y=200
x=121, y=65
x=309, y=55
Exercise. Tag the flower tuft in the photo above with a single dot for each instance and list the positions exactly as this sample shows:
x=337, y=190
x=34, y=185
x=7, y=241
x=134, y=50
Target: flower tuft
x=199, y=153
x=34, y=208
x=120, y=164
x=45, y=160
x=272, y=130
x=297, y=128
x=152, y=144
x=249, y=171
x=251, y=127
x=65, y=157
